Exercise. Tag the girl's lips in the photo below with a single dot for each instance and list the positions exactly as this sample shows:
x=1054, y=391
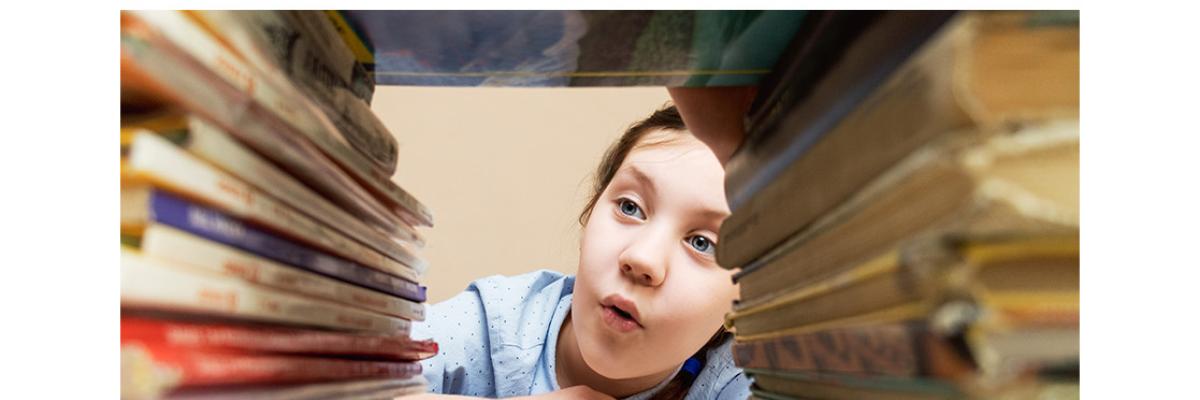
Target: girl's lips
x=617, y=321
x=623, y=304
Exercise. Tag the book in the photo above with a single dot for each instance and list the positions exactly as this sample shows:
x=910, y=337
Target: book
x=832, y=386
x=573, y=48
x=212, y=144
x=382, y=389
x=901, y=349
x=157, y=71
x=919, y=348
x=249, y=339
x=1025, y=180
x=865, y=46
x=170, y=210
x=151, y=370
x=964, y=80
x=173, y=246
x=155, y=285
x=771, y=384
x=305, y=46
x=982, y=282
x=155, y=160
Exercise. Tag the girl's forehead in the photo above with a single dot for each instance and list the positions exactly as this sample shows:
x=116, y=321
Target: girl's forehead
x=681, y=164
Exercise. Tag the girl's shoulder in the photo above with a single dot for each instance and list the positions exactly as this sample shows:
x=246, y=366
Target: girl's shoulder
x=491, y=334
x=721, y=378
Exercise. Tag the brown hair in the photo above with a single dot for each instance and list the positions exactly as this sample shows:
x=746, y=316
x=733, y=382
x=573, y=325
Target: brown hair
x=665, y=118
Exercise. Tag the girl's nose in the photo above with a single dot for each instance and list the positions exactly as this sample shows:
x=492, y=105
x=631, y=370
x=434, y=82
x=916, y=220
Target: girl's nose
x=645, y=259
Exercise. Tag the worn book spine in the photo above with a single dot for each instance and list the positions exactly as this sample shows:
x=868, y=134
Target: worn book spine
x=154, y=369
x=1021, y=181
x=153, y=284
x=881, y=104
x=176, y=247
x=304, y=46
x=158, y=160
x=258, y=339
x=211, y=143
x=154, y=69
x=214, y=225
x=902, y=349
x=371, y=388
x=278, y=97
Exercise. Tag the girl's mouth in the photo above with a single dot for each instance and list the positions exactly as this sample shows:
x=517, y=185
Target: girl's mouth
x=619, y=320
x=620, y=313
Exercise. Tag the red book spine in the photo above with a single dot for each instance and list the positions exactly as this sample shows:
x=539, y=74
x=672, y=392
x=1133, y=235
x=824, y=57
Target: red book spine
x=241, y=339
x=164, y=368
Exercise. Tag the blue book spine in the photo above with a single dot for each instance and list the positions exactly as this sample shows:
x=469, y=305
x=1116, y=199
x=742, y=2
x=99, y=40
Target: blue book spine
x=168, y=209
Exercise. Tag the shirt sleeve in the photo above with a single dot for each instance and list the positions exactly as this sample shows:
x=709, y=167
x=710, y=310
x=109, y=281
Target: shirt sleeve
x=737, y=388
x=463, y=363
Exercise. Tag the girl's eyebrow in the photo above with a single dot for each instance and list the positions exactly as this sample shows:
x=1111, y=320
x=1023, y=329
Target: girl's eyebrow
x=641, y=177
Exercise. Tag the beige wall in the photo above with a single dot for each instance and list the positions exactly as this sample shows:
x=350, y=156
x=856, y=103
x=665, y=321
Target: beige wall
x=505, y=171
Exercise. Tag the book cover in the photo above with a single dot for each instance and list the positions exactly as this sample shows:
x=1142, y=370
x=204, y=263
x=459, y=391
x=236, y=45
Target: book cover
x=155, y=285
x=170, y=210
x=179, y=248
x=573, y=48
x=155, y=71
x=151, y=370
x=158, y=161
x=231, y=338
x=956, y=84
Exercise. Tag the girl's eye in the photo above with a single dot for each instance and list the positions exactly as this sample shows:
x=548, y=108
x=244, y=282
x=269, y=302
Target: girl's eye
x=628, y=207
x=702, y=244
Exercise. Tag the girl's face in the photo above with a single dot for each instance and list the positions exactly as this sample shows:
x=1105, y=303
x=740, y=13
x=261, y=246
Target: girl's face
x=649, y=292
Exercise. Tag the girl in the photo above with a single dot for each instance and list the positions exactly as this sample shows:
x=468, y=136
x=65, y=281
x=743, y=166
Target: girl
x=643, y=318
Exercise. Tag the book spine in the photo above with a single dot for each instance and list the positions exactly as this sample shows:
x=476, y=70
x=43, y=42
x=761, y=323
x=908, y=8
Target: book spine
x=212, y=144
x=898, y=350
x=874, y=95
x=176, y=247
x=158, y=159
x=146, y=364
x=356, y=389
x=154, y=67
x=205, y=49
x=150, y=284
x=318, y=63
x=216, y=226
x=234, y=338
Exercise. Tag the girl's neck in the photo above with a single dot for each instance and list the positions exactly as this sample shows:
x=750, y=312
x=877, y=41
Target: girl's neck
x=571, y=370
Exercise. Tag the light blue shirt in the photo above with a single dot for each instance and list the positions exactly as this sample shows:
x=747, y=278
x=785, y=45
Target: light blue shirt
x=498, y=338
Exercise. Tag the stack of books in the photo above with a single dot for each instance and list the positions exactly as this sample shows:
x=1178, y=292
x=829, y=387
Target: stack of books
x=905, y=212
x=265, y=251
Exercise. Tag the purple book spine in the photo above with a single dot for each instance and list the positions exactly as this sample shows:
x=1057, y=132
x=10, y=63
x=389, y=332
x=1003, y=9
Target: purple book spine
x=214, y=225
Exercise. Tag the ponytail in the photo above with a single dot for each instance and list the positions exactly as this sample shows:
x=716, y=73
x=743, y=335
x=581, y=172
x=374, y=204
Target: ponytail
x=679, y=386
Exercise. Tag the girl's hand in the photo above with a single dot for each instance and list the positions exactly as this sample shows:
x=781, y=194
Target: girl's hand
x=572, y=393
x=715, y=114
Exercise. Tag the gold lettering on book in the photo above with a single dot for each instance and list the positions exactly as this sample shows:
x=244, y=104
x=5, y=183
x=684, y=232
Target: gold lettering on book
x=241, y=192
x=243, y=79
x=220, y=299
x=368, y=300
x=244, y=270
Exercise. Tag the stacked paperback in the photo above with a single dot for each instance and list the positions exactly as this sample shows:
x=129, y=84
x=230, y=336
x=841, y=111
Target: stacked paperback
x=265, y=251
x=906, y=210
